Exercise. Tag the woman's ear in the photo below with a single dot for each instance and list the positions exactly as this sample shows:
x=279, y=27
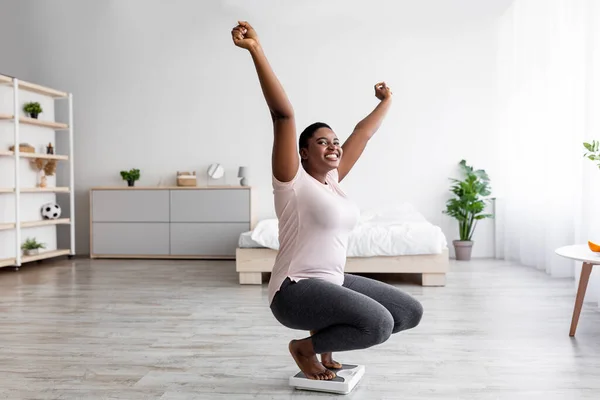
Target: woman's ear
x=304, y=153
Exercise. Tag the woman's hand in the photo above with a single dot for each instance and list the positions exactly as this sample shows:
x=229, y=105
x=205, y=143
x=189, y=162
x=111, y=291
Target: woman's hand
x=244, y=35
x=382, y=91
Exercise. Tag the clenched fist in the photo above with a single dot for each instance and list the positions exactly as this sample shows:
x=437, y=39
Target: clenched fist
x=244, y=35
x=382, y=91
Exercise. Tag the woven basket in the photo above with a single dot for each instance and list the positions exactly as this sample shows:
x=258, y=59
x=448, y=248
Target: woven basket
x=186, y=179
x=24, y=148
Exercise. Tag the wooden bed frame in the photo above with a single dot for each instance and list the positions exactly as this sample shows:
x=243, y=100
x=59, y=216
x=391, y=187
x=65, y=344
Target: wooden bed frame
x=251, y=263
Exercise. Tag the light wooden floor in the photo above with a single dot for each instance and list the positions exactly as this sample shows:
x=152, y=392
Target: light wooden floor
x=170, y=330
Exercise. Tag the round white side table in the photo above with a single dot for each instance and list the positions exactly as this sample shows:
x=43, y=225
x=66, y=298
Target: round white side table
x=580, y=252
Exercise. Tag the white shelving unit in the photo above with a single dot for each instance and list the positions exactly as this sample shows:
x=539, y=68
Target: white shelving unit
x=20, y=185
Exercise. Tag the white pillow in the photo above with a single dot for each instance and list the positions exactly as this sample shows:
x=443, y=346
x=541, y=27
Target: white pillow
x=266, y=233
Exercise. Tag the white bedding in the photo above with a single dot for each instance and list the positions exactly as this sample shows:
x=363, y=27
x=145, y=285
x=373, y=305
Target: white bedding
x=387, y=232
x=246, y=241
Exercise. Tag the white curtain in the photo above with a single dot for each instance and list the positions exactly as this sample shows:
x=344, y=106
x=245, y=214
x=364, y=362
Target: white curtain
x=548, y=105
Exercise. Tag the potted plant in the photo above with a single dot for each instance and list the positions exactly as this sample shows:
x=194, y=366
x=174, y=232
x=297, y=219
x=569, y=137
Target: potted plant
x=131, y=176
x=467, y=206
x=593, y=151
x=33, y=109
x=32, y=247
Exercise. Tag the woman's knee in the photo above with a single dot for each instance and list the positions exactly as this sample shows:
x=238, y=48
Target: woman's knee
x=409, y=317
x=380, y=329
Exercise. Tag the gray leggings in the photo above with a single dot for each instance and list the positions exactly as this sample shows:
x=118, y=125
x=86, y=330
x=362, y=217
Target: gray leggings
x=360, y=314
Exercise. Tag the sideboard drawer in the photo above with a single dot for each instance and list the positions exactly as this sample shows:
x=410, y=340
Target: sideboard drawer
x=130, y=206
x=217, y=205
x=211, y=239
x=130, y=238
x=168, y=222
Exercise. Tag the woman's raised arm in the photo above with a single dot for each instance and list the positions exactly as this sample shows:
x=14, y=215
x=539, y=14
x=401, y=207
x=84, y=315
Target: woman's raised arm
x=364, y=131
x=285, y=158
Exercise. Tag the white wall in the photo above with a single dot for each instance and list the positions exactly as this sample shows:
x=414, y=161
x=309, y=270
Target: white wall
x=15, y=51
x=14, y=61
x=159, y=86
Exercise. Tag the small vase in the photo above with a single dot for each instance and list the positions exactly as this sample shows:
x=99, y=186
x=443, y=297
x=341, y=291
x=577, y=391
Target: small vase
x=31, y=252
x=463, y=249
x=131, y=182
x=33, y=115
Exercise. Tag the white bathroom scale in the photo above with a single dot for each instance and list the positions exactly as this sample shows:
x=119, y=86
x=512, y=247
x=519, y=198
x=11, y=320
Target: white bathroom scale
x=346, y=379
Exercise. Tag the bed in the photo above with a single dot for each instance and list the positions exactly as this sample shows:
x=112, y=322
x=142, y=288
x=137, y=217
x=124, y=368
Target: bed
x=396, y=240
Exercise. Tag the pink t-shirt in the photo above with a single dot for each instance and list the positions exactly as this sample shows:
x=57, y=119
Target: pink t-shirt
x=315, y=220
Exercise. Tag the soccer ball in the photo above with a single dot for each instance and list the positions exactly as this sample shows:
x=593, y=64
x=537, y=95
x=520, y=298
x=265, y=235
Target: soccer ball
x=51, y=211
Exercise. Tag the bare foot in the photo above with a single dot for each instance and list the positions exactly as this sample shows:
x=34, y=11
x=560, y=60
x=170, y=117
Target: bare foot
x=329, y=362
x=327, y=359
x=307, y=361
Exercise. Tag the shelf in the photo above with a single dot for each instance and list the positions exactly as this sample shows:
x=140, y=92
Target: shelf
x=46, y=222
x=36, y=122
x=37, y=190
x=125, y=187
x=44, y=255
x=35, y=155
x=33, y=224
x=32, y=87
x=7, y=262
x=46, y=189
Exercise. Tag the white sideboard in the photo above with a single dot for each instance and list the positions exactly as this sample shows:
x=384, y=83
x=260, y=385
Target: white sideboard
x=168, y=222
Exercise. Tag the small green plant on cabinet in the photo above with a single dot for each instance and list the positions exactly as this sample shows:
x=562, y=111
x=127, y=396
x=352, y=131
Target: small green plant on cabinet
x=593, y=151
x=33, y=109
x=32, y=246
x=467, y=206
x=131, y=176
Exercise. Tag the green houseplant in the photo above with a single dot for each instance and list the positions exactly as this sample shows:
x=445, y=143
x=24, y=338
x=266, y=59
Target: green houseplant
x=131, y=176
x=593, y=151
x=467, y=206
x=31, y=246
x=33, y=109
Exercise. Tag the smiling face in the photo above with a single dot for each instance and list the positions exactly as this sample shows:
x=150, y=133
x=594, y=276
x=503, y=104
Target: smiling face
x=323, y=151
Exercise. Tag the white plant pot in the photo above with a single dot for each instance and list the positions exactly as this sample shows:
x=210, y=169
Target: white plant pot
x=463, y=249
x=31, y=252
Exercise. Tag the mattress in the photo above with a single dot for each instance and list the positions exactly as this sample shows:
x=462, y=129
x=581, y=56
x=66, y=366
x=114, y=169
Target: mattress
x=389, y=232
x=246, y=242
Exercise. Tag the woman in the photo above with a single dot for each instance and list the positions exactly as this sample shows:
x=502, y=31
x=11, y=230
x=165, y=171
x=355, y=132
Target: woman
x=308, y=289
